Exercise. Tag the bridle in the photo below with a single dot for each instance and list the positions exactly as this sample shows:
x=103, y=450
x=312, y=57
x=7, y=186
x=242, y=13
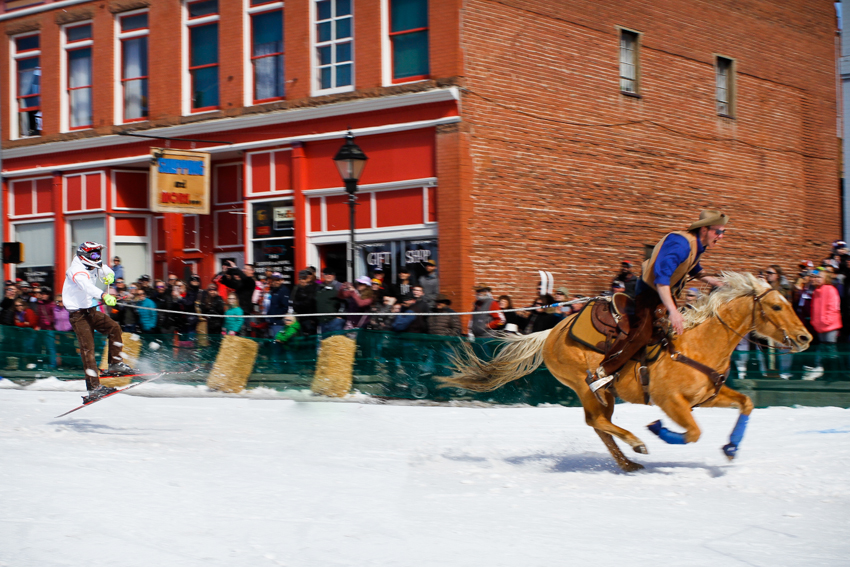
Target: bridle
x=787, y=343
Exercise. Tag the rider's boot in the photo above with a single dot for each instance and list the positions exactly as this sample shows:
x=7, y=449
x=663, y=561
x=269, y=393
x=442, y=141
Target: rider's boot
x=598, y=382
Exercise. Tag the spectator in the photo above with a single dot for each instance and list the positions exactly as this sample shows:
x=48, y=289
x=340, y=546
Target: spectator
x=211, y=303
x=144, y=282
x=44, y=309
x=421, y=305
x=826, y=320
x=233, y=323
x=304, y=301
x=483, y=324
x=445, y=324
x=328, y=301
x=243, y=285
x=7, y=306
x=289, y=331
x=402, y=323
x=148, y=318
x=24, y=316
x=542, y=318
x=120, y=287
x=61, y=317
x=430, y=283
x=117, y=268
x=627, y=278
x=617, y=287
x=358, y=299
x=278, y=303
x=803, y=300
x=379, y=321
x=777, y=281
x=562, y=295
x=26, y=292
x=512, y=321
x=379, y=285
x=405, y=282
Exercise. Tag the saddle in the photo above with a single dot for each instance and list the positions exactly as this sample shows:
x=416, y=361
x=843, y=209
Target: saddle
x=612, y=318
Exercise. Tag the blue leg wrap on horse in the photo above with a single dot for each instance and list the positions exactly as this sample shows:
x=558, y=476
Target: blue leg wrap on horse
x=665, y=434
x=740, y=427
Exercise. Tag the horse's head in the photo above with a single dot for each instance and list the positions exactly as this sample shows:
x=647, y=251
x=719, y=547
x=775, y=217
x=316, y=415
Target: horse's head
x=774, y=317
x=750, y=304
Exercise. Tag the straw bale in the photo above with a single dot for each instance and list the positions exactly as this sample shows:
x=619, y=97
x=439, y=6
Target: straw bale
x=335, y=367
x=132, y=349
x=116, y=381
x=202, y=329
x=233, y=365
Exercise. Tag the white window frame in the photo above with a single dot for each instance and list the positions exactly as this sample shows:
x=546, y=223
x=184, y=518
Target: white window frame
x=13, y=201
x=146, y=240
x=248, y=227
x=635, y=63
x=119, y=71
x=730, y=88
x=248, y=42
x=83, y=192
x=314, y=54
x=65, y=47
x=114, y=188
x=249, y=175
x=14, y=125
x=196, y=245
x=186, y=86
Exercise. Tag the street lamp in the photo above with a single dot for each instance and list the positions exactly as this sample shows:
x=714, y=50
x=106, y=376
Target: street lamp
x=350, y=161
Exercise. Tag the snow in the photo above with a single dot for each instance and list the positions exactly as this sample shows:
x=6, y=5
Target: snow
x=174, y=475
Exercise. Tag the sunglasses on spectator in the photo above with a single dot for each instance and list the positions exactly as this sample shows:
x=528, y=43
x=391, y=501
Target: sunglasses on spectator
x=160, y=287
x=771, y=273
x=538, y=305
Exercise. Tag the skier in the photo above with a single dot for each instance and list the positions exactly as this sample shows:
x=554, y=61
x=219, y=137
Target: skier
x=78, y=292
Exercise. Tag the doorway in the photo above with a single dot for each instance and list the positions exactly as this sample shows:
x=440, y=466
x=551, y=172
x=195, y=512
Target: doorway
x=333, y=256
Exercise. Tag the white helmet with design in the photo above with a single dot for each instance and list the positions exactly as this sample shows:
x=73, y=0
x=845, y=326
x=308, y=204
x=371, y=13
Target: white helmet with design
x=91, y=254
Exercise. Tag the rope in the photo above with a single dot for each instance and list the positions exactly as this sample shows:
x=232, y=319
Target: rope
x=358, y=314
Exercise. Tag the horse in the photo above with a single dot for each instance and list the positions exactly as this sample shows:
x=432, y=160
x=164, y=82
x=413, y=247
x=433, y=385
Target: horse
x=689, y=376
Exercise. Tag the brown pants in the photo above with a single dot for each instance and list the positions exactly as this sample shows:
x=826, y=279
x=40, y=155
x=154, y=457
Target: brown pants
x=640, y=333
x=85, y=322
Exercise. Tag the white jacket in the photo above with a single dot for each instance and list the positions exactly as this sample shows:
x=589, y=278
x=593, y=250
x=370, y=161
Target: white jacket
x=80, y=285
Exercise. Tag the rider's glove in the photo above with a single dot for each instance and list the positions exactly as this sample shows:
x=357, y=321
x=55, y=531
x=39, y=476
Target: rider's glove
x=109, y=279
x=109, y=300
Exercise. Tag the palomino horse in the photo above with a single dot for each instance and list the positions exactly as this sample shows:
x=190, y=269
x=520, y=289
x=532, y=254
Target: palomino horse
x=712, y=330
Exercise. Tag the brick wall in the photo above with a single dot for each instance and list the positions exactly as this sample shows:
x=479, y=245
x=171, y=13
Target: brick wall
x=573, y=177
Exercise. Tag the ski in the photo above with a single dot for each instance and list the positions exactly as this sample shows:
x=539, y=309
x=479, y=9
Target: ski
x=149, y=377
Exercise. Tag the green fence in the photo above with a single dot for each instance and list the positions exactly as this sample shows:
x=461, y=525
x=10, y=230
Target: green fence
x=406, y=366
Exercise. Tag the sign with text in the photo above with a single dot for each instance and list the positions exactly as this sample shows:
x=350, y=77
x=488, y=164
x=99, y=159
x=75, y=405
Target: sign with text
x=180, y=181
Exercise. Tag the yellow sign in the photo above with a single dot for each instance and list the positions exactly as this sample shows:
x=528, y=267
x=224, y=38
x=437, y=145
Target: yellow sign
x=180, y=182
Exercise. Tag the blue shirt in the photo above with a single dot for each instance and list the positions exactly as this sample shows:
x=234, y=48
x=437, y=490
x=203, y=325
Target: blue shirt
x=674, y=252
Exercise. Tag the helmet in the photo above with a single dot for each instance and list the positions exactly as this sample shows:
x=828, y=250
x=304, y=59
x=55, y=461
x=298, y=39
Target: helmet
x=91, y=254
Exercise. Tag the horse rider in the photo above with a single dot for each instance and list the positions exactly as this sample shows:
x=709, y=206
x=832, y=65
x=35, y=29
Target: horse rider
x=674, y=260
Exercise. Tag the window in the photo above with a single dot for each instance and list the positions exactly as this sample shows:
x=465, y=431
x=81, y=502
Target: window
x=628, y=62
x=78, y=44
x=133, y=34
x=203, y=54
x=27, y=57
x=725, y=91
x=409, y=37
x=267, y=50
x=334, y=45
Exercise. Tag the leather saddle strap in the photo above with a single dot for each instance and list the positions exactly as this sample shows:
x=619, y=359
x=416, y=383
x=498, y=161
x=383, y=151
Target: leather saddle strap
x=716, y=378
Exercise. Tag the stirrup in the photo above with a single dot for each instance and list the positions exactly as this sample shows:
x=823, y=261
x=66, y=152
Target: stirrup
x=597, y=381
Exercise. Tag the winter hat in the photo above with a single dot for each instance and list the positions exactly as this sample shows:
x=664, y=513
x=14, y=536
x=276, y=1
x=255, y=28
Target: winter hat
x=365, y=280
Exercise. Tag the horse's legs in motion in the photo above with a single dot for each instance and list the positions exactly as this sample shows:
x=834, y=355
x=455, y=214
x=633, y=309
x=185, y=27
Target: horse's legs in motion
x=677, y=407
x=727, y=398
x=623, y=461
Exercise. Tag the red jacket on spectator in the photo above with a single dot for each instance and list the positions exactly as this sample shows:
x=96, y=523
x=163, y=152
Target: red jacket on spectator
x=26, y=318
x=826, y=309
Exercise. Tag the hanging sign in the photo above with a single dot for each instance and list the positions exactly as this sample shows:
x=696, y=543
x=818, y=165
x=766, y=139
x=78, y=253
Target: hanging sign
x=180, y=181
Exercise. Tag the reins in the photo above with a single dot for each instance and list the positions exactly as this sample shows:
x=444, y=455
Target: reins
x=786, y=343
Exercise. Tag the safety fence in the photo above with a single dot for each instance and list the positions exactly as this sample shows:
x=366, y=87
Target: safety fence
x=405, y=365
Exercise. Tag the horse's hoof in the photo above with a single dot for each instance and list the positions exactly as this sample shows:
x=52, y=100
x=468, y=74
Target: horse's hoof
x=730, y=450
x=631, y=467
x=641, y=449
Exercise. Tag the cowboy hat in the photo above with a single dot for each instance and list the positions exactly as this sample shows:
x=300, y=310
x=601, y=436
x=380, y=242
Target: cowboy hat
x=710, y=217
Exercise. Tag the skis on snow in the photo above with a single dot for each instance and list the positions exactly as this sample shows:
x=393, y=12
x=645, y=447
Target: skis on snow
x=148, y=377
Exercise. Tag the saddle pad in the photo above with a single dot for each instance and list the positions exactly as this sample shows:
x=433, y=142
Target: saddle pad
x=584, y=332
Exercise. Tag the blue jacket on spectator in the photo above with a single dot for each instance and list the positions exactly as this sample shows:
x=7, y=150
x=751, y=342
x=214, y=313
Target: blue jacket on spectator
x=147, y=318
x=278, y=305
x=402, y=322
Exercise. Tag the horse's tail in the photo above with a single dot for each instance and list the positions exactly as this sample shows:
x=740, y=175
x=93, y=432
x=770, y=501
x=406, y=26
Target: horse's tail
x=514, y=358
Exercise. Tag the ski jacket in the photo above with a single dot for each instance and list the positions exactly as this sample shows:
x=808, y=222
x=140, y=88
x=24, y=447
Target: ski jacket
x=826, y=309
x=80, y=289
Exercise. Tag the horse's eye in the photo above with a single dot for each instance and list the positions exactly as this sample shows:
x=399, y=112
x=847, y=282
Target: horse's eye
x=777, y=307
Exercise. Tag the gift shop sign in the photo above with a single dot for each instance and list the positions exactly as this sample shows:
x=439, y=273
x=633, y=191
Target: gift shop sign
x=180, y=181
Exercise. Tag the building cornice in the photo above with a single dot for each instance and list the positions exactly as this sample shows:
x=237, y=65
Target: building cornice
x=244, y=122
x=42, y=8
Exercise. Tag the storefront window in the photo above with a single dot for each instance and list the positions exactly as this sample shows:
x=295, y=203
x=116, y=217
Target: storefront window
x=392, y=255
x=37, y=238
x=273, y=238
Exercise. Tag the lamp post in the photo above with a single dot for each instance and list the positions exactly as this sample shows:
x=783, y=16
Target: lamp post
x=350, y=161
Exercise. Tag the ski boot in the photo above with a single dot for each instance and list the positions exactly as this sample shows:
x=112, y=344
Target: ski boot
x=98, y=393
x=119, y=369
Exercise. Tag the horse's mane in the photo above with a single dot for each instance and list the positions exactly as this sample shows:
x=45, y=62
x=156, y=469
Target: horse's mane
x=738, y=284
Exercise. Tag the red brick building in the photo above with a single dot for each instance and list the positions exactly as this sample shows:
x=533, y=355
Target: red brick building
x=503, y=136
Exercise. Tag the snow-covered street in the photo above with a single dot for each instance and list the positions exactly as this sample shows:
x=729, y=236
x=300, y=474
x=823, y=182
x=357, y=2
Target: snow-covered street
x=166, y=478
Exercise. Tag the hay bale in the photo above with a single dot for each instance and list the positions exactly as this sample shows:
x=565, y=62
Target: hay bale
x=132, y=348
x=233, y=365
x=202, y=329
x=104, y=359
x=116, y=381
x=335, y=367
